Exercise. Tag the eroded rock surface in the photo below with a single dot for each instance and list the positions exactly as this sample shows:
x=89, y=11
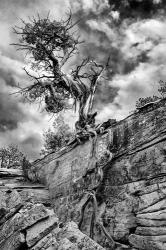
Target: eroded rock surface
x=27, y=220
x=131, y=202
x=108, y=193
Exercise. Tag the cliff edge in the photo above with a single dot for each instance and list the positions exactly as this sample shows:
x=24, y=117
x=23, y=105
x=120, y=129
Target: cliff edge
x=110, y=190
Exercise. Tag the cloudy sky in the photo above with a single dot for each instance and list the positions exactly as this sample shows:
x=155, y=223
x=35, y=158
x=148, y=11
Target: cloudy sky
x=132, y=32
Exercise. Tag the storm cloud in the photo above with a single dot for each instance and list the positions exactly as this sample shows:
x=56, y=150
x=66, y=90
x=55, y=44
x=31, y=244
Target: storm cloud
x=137, y=9
x=20, y=123
x=132, y=34
x=10, y=113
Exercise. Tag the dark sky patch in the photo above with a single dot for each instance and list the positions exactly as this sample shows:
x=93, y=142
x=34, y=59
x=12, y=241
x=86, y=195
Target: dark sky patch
x=135, y=9
x=7, y=76
x=99, y=46
x=10, y=113
x=31, y=145
x=105, y=94
x=31, y=140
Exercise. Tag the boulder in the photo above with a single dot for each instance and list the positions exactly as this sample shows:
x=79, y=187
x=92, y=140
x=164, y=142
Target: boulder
x=46, y=243
x=14, y=242
x=26, y=217
x=70, y=237
x=147, y=242
x=158, y=215
x=151, y=231
x=40, y=230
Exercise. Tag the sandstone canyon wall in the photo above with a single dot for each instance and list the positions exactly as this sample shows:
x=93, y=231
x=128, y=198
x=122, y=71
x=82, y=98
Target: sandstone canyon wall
x=113, y=188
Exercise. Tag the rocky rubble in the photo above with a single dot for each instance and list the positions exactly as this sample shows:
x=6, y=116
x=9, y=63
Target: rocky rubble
x=27, y=220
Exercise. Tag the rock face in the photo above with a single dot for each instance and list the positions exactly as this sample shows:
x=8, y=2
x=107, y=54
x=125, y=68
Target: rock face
x=129, y=198
x=28, y=222
x=107, y=193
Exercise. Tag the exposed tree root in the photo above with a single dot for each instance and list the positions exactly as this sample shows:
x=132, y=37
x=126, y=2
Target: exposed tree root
x=92, y=225
x=96, y=218
x=82, y=211
x=94, y=215
x=109, y=238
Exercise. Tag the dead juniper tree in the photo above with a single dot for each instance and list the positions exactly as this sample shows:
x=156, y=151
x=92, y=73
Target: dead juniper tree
x=50, y=45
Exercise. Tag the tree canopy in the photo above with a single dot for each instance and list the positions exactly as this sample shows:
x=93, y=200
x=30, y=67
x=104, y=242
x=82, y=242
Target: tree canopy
x=50, y=45
x=141, y=102
x=11, y=157
x=56, y=138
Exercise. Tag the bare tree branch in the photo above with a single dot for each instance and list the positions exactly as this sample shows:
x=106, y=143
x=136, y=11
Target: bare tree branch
x=50, y=44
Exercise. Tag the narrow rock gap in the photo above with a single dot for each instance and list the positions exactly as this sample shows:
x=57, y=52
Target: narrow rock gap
x=48, y=205
x=132, y=230
x=23, y=247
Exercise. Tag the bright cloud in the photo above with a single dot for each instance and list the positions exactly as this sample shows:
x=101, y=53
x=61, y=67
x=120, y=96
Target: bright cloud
x=138, y=61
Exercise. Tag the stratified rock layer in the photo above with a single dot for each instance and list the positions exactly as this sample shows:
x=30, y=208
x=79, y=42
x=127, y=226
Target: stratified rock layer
x=28, y=222
x=131, y=197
